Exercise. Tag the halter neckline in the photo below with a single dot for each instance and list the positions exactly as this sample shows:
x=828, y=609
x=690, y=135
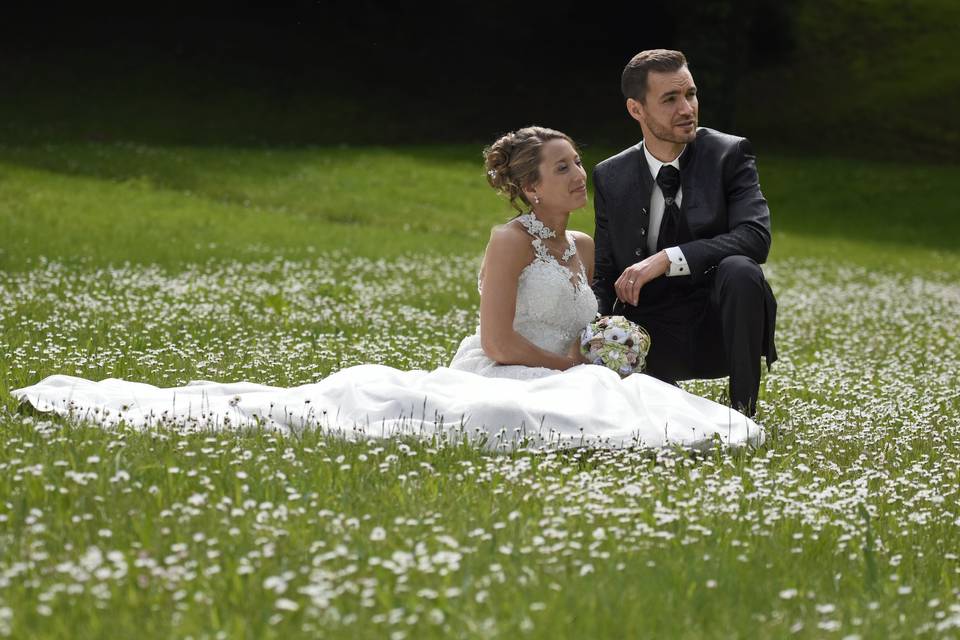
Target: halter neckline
x=535, y=226
x=540, y=232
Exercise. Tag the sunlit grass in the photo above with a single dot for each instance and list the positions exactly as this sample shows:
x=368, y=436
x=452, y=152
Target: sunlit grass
x=110, y=203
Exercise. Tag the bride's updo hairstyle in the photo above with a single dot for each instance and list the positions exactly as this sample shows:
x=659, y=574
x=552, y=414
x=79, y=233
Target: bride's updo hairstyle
x=513, y=161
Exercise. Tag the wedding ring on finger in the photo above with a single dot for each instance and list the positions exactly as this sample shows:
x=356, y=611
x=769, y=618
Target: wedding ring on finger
x=629, y=281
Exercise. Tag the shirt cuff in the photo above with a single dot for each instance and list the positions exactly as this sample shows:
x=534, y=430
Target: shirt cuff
x=678, y=263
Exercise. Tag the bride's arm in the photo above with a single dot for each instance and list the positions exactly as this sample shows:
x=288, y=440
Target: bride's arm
x=506, y=256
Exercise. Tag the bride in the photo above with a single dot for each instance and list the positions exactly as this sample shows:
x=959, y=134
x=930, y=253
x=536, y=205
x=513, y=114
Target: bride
x=519, y=380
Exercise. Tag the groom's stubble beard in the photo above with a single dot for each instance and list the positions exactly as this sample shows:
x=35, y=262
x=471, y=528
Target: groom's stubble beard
x=666, y=134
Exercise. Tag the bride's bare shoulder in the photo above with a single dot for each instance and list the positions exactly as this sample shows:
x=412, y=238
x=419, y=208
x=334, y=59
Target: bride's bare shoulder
x=509, y=232
x=509, y=246
x=509, y=236
x=582, y=239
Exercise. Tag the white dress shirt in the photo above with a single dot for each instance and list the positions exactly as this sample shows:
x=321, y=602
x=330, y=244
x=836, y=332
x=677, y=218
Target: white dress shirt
x=678, y=263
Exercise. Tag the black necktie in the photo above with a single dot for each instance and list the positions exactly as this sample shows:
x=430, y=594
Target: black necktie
x=668, y=179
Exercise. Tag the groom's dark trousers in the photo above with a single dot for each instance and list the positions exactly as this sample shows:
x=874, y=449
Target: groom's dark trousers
x=720, y=319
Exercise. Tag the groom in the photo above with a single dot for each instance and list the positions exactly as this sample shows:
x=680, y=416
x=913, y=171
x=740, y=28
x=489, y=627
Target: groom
x=681, y=227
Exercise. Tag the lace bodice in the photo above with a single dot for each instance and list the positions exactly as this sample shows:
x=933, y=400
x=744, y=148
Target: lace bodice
x=554, y=303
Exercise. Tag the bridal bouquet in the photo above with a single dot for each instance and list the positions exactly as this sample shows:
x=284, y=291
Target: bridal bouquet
x=616, y=343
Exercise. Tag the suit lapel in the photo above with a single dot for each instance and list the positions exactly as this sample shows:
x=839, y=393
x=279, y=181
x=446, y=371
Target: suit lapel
x=688, y=177
x=639, y=191
x=643, y=173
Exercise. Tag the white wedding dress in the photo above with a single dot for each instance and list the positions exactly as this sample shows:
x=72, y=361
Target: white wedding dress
x=474, y=398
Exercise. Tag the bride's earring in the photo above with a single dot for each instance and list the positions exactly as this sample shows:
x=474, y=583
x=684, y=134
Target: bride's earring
x=536, y=199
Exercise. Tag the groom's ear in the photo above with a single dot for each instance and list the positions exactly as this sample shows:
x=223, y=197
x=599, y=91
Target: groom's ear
x=635, y=109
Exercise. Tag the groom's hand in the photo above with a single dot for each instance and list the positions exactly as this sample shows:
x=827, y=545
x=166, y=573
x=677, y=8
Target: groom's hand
x=633, y=278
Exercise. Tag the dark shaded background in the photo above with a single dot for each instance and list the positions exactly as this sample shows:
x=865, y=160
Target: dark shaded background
x=849, y=78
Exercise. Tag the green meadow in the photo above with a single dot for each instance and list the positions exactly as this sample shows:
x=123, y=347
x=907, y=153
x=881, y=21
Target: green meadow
x=166, y=264
x=128, y=202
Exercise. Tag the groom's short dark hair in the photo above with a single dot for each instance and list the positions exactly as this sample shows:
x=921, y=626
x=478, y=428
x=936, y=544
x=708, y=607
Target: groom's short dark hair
x=633, y=82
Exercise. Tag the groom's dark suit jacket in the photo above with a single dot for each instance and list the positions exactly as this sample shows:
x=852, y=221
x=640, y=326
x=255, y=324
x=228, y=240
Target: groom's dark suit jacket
x=725, y=213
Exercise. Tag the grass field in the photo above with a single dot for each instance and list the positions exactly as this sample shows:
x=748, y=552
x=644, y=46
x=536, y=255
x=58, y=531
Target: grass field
x=277, y=265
